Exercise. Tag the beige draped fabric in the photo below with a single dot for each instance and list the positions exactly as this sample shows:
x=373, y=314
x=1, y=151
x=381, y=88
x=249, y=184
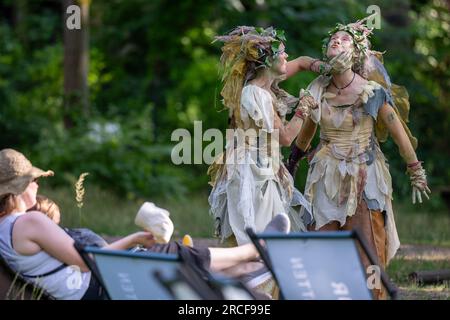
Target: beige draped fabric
x=339, y=173
x=252, y=186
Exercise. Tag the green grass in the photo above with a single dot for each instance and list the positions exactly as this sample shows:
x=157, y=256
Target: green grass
x=108, y=214
x=399, y=270
x=422, y=224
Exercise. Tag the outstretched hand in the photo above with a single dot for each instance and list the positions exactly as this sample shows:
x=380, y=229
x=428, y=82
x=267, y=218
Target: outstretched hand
x=418, y=182
x=417, y=194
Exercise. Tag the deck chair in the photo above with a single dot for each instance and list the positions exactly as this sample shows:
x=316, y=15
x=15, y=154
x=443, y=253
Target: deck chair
x=188, y=284
x=14, y=286
x=129, y=275
x=318, y=265
x=232, y=289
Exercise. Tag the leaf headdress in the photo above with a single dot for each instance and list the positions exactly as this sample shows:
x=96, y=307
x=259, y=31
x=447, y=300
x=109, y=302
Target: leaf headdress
x=369, y=64
x=245, y=50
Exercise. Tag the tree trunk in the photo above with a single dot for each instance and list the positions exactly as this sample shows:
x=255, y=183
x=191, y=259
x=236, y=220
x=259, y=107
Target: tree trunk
x=20, y=21
x=76, y=63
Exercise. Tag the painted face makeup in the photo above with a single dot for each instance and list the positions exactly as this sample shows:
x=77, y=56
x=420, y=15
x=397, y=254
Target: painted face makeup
x=341, y=41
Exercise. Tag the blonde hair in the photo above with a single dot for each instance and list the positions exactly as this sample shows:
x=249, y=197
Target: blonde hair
x=8, y=203
x=48, y=207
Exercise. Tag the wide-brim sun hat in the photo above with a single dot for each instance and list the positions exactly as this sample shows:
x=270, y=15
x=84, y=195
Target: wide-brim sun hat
x=17, y=172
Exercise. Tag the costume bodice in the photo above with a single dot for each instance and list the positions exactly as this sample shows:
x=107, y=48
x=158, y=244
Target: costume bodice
x=346, y=130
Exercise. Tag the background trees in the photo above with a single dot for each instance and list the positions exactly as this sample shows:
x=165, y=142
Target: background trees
x=152, y=69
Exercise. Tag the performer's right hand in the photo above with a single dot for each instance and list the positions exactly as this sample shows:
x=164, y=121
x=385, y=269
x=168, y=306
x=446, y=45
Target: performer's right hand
x=341, y=62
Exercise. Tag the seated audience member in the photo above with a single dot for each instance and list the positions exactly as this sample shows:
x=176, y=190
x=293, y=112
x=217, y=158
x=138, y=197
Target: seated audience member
x=33, y=245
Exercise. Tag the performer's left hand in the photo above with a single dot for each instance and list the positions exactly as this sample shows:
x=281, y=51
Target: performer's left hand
x=307, y=100
x=342, y=62
x=418, y=182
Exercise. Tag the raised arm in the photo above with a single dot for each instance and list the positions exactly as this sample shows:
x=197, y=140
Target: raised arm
x=139, y=238
x=288, y=132
x=302, y=63
x=35, y=229
x=305, y=63
x=414, y=167
x=298, y=64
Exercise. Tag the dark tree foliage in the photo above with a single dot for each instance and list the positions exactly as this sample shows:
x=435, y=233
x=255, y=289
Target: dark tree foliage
x=153, y=68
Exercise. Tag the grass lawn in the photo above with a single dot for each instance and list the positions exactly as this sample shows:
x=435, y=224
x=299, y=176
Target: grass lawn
x=422, y=224
x=429, y=230
x=400, y=268
x=106, y=213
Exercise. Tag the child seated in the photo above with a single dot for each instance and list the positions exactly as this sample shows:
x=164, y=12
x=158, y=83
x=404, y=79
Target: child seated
x=48, y=207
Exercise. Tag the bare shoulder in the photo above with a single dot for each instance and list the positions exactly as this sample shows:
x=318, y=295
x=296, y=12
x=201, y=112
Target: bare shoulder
x=33, y=220
x=27, y=228
x=358, y=85
x=360, y=81
x=35, y=227
x=33, y=216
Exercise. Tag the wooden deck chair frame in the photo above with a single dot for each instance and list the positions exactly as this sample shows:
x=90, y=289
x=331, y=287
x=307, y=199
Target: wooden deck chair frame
x=219, y=282
x=207, y=289
x=22, y=281
x=190, y=277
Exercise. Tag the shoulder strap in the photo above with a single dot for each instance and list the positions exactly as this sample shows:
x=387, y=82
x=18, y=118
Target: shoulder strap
x=62, y=266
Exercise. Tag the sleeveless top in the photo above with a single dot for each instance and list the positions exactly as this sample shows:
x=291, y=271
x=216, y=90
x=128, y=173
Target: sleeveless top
x=59, y=280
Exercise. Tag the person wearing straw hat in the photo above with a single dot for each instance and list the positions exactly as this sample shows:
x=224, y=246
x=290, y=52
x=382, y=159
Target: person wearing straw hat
x=42, y=253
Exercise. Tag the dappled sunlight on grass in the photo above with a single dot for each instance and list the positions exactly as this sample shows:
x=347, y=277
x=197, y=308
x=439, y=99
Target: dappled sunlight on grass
x=399, y=268
x=424, y=253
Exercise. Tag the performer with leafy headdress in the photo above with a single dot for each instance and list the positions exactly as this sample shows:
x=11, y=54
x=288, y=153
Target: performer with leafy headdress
x=348, y=183
x=250, y=183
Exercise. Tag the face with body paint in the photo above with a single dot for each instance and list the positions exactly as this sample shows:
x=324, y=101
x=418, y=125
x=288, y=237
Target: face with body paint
x=279, y=66
x=339, y=42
